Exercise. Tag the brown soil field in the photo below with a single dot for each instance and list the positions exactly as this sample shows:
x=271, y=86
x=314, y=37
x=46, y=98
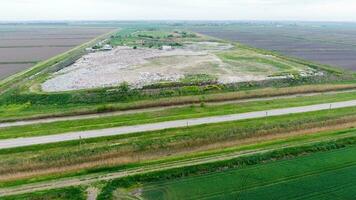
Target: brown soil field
x=40, y=42
x=10, y=69
x=29, y=54
x=29, y=43
x=331, y=44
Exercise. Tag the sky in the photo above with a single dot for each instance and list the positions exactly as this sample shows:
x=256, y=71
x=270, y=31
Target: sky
x=301, y=10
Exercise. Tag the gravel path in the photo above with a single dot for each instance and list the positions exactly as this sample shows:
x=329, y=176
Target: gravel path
x=117, y=113
x=21, y=142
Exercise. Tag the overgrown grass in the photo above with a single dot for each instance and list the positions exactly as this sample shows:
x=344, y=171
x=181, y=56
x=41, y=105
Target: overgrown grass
x=85, y=103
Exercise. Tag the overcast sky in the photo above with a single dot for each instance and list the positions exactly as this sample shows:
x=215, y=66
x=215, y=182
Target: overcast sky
x=311, y=10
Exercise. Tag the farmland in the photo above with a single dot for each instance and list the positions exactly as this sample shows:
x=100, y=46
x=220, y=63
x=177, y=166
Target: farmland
x=311, y=177
x=326, y=43
x=169, y=111
x=22, y=46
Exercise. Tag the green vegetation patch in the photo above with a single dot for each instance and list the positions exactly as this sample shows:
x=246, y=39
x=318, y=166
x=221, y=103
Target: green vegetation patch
x=151, y=37
x=311, y=177
x=71, y=193
x=199, y=78
x=245, y=60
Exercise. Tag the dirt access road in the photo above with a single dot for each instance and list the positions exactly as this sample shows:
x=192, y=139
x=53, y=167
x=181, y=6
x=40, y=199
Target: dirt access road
x=22, y=142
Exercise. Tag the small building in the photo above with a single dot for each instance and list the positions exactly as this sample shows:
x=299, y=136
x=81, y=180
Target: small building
x=107, y=47
x=166, y=48
x=89, y=50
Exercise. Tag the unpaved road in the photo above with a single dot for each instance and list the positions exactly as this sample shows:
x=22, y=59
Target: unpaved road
x=117, y=113
x=21, y=142
x=92, y=193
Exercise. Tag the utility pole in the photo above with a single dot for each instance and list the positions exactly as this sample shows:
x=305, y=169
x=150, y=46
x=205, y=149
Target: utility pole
x=80, y=142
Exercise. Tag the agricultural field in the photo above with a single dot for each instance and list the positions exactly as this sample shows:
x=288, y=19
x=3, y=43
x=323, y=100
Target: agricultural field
x=316, y=176
x=22, y=46
x=161, y=110
x=327, y=43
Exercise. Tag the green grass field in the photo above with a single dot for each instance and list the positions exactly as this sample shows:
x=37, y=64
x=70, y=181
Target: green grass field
x=317, y=176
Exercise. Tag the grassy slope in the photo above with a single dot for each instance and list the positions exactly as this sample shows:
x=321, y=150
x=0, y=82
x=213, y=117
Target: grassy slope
x=71, y=193
x=257, y=62
x=166, y=115
x=312, y=177
x=28, y=110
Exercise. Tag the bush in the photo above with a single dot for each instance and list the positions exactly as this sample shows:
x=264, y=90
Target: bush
x=167, y=93
x=212, y=88
x=105, y=108
x=190, y=90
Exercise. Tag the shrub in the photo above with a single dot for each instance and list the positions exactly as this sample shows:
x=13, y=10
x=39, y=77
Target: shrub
x=190, y=90
x=212, y=88
x=167, y=93
x=105, y=108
